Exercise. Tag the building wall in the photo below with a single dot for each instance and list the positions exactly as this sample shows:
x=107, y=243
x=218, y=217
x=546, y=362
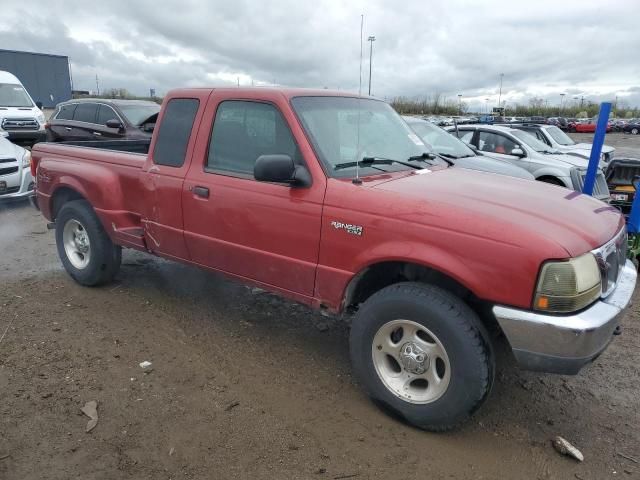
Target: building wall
x=46, y=77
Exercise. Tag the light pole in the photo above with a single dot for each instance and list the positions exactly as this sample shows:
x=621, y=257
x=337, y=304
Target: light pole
x=486, y=105
x=371, y=39
x=500, y=92
x=561, y=99
x=459, y=104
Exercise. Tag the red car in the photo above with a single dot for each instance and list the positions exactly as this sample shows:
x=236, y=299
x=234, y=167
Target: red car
x=331, y=200
x=587, y=126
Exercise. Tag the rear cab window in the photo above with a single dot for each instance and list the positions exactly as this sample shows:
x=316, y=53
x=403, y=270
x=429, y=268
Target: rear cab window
x=175, y=131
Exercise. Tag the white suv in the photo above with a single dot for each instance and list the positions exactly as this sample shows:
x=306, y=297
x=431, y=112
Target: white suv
x=526, y=151
x=15, y=170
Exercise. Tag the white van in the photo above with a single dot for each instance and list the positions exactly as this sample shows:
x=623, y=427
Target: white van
x=19, y=115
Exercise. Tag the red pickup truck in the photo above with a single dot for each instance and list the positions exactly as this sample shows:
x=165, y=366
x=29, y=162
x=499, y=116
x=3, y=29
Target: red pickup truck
x=331, y=200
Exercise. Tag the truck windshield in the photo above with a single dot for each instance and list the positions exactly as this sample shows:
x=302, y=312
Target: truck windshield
x=347, y=129
x=440, y=141
x=14, y=95
x=559, y=136
x=138, y=114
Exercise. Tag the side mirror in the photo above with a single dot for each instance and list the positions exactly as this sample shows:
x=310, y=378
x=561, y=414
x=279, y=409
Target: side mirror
x=113, y=123
x=39, y=105
x=518, y=152
x=280, y=169
x=472, y=147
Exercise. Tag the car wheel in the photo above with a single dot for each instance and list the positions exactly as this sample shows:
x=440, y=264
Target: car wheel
x=85, y=249
x=634, y=131
x=423, y=354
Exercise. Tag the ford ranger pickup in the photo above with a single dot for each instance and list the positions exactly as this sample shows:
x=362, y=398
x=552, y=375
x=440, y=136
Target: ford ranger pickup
x=331, y=200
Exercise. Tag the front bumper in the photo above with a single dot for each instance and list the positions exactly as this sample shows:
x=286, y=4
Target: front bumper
x=565, y=344
x=19, y=185
x=27, y=137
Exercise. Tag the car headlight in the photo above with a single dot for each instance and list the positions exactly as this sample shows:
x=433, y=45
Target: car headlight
x=26, y=159
x=40, y=117
x=569, y=285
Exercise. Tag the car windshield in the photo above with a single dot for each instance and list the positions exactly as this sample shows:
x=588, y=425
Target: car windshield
x=439, y=141
x=14, y=95
x=531, y=141
x=137, y=114
x=347, y=129
x=559, y=136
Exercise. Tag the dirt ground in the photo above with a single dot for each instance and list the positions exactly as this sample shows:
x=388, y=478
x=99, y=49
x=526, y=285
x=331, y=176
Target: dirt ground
x=245, y=385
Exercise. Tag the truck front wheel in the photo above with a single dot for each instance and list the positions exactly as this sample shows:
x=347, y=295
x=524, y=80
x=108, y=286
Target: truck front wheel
x=86, y=251
x=422, y=353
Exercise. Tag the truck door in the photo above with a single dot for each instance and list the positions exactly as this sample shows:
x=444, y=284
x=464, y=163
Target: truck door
x=261, y=231
x=163, y=176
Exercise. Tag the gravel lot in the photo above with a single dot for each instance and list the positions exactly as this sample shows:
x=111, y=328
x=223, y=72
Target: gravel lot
x=245, y=385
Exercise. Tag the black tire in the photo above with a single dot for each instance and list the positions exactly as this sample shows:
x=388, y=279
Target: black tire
x=458, y=329
x=105, y=257
x=634, y=131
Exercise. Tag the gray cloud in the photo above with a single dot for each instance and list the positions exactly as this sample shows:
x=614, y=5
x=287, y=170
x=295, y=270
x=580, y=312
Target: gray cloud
x=543, y=49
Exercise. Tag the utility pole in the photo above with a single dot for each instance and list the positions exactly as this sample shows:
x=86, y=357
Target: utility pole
x=371, y=39
x=459, y=104
x=561, y=99
x=97, y=86
x=500, y=92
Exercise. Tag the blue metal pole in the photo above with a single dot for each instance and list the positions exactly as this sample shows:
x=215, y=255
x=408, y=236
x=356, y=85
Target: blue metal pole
x=633, y=221
x=596, y=148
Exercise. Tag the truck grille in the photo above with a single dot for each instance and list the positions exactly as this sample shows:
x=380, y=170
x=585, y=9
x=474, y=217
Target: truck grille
x=8, y=160
x=8, y=171
x=13, y=124
x=611, y=257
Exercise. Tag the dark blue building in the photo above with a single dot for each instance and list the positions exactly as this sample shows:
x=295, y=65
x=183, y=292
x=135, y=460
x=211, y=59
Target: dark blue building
x=46, y=77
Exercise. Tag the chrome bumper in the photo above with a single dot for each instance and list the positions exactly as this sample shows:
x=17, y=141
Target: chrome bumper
x=565, y=344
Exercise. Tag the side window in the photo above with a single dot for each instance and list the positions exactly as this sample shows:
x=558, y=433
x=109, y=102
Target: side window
x=66, y=112
x=175, y=130
x=465, y=136
x=243, y=131
x=85, y=112
x=495, y=143
x=105, y=113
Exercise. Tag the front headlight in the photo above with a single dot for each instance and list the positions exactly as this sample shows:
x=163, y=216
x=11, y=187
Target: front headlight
x=26, y=159
x=567, y=286
x=40, y=117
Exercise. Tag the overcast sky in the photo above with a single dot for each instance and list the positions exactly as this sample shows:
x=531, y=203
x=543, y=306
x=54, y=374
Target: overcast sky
x=544, y=48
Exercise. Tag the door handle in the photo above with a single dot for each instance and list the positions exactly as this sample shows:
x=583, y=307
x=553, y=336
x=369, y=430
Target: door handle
x=68, y=129
x=201, y=192
x=97, y=134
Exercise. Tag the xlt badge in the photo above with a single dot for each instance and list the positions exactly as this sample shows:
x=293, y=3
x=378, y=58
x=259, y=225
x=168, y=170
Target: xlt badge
x=349, y=228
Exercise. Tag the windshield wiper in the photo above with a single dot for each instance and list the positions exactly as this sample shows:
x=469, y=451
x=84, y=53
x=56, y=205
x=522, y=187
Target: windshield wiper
x=368, y=161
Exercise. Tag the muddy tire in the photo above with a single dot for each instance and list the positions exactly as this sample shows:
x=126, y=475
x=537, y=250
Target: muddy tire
x=634, y=131
x=423, y=354
x=85, y=249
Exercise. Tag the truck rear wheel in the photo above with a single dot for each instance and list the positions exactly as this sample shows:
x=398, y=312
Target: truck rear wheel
x=86, y=251
x=423, y=354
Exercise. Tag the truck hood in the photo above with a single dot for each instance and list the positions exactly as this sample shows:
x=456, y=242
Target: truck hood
x=583, y=149
x=512, y=210
x=566, y=158
x=492, y=165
